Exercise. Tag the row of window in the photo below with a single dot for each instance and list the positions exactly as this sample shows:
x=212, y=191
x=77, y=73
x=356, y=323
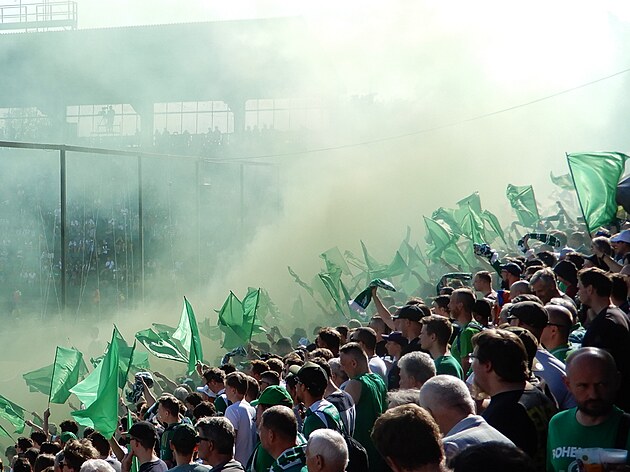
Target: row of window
x=180, y=117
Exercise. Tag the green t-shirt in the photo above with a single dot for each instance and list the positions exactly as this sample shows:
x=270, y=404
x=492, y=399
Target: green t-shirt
x=567, y=435
x=321, y=414
x=166, y=454
x=561, y=352
x=462, y=344
x=447, y=365
x=371, y=405
x=221, y=403
x=261, y=460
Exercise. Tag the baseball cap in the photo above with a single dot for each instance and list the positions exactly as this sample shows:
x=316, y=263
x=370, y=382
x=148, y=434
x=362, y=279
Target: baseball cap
x=274, y=395
x=409, y=312
x=530, y=313
x=311, y=375
x=622, y=237
x=143, y=430
x=512, y=268
x=396, y=337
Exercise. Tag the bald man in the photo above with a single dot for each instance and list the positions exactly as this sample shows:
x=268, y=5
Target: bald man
x=593, y=379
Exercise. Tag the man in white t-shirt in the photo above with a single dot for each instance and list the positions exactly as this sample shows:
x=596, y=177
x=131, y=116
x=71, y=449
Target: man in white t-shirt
x=242, y=416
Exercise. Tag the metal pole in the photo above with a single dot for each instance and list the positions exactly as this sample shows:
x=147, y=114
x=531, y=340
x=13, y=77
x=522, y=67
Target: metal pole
x=198, y=205
x=242, y=200
x=62, y=185
x=141, y=229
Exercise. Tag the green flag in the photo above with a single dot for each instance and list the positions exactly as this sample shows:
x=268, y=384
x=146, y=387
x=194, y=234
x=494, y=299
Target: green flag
x=370, y=262
x=523, y=201
x=68, y=368
x=160, y=344
x=595, y=176
x=333, y=257
x=101, y=406
x=238, y=320
x=39, y=380
x=473, y=201
x=12, y=413
x=187, y=334
x=565, y=182
x=398, y=266
x=300, y=282
x=472, y=226
x=333, y=287
x=440, y=237
x=4, y=433
x=492, y=227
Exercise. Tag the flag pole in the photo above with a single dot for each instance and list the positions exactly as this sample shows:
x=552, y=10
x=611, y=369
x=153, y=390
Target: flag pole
x=52, y=377
x=588, y=230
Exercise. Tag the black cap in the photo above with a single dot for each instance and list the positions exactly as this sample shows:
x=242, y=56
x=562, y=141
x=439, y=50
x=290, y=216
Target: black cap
x=512, y=268
x=409, y=312
x=396, y=337
x=530, y=313
x=311, y=375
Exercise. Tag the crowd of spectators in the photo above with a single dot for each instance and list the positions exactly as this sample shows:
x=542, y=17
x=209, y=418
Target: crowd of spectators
x=527, y=369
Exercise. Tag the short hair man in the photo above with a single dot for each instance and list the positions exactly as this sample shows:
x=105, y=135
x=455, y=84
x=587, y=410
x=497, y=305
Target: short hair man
x=104, y=450
x=415, y=369
x=434, y=338
x=168, y=414
x=545, y=286
x=183, y=444
x=448, y=400
x=500, y=369
x=242, y=416
x=482, y=282
x=216, y=444
x=398, y=434
x=534, y=318
x=366, y=337
x=142, y=440
x=326, y=451
x=520, y=287
x=215, y=388
x=330, y=339
x=593, y=379
x=278, y=435
x=380, y=328
x=460, y=306
x=609, y=329
x=555, y=336
x=369, y=394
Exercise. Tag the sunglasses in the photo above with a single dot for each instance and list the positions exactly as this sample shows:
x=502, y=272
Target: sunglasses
x=201, y=438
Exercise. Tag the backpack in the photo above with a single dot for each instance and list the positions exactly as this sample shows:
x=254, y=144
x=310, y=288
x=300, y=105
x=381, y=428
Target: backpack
x=357, y=455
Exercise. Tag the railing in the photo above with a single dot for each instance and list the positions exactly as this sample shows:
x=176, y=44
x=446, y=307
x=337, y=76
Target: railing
x=39, y=16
